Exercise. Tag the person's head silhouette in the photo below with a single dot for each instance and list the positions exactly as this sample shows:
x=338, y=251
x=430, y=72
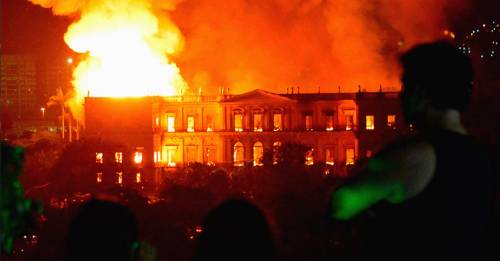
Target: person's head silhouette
x=102, y=230
x=235, y=230
x=436, y=77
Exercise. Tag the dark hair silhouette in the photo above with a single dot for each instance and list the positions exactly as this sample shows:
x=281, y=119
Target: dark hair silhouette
x=443, y=72
x=235, y=230
x=102, y=230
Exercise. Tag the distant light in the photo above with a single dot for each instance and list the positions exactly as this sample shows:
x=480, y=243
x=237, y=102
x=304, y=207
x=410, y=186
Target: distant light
x=69, y=60
x=199, y=229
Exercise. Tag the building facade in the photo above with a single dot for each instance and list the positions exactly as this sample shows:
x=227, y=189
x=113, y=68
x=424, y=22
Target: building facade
x=235, y=130
x=18, y=84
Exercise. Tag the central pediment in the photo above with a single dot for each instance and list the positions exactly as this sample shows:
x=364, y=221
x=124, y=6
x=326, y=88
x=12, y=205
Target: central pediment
x=259, y=96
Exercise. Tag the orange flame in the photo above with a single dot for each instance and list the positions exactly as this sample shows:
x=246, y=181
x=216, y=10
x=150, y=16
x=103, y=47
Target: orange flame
x=126, y=47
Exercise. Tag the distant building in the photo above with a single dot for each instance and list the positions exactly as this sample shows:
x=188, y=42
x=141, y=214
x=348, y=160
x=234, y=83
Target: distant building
x=235, y=130
x=18, y=84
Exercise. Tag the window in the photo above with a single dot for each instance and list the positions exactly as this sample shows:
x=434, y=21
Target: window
x=239, y=154
x=391, y=121
x=309, y=122
x=238, y=122
x=329, y=156
x=138, y=177
x=211, y=155
x=329, y=122
x=349, y=122
x=171, y=123
x=370, y=122
x=118, y=157
x=257, y=122
x=169, y=155
x=277, y=122
x=349, y=156
x=209, y=123
x=119, y=177
x=190, y=122
x=99, y=158
x=157, y=157
x=138, y=157
x=276, y=152
x=258, y=154
x=99, y=177
x=191, y=153
x=310, y=157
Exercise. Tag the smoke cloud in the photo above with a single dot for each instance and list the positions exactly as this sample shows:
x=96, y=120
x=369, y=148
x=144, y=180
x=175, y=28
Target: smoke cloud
x=274, y=44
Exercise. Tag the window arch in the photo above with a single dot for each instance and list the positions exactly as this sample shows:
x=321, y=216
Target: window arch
x=238, y=154
x=258, y=153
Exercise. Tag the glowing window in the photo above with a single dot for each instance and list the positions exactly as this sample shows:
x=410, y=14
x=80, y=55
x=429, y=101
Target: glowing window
x=309, y=122
x=391, y=120
x=309, y=157
x=138, y=177
x=258, y=154
x=118, y=157
x=119, y=177
x=209, y=123
x=349, y=156
x=138, y=157
x=349, y=122
x=277, y=122
x=238, y=154
x=99, y=177
x=169, y=155
x=171, y=123
x=155, y=157
x=329, y=122
x=190, y=121
x=99, y=157
x=329, y=160
x=157, y=121
x=191, y=153
x=211, y=154
x=257, y=122
x=370, y=122
x=238, y=122
x=276, y=152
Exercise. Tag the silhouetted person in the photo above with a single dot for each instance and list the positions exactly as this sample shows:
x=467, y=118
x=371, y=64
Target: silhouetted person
x=440, y=182
x=102, y=230
x=235, y=230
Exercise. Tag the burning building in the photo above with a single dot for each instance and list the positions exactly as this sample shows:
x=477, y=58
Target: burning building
x=165, y=133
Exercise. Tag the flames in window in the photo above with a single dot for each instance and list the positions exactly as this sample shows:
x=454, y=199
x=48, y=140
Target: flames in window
x=310, y=157
x=258, y=154
x=118, y=157
x=138, y=157
x=277, y=122
x=171, y=123
x=370, y=122
x=190, y=121
x=238, y=122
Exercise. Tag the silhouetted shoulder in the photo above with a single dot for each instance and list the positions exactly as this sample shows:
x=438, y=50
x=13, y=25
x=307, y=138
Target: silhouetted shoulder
x=411, y=161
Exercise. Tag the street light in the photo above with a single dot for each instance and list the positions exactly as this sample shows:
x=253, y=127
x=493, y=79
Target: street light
x=43, y=112
x=69, y=60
